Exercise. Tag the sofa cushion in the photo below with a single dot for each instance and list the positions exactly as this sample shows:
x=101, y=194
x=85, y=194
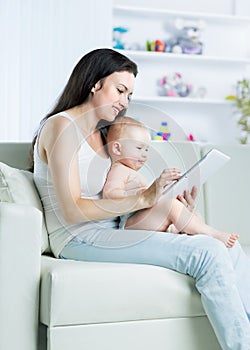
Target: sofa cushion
x=74, y=293
x=17, y=186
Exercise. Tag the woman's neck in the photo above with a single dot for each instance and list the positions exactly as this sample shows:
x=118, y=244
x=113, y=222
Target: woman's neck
x=85, y=117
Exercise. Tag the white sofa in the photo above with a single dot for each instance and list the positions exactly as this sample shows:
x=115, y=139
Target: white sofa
x=105, y=306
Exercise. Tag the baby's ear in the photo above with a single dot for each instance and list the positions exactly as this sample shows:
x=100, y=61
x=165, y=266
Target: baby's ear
x=116, y=148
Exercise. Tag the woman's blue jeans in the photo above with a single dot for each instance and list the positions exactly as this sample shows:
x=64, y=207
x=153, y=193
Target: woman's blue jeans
x=222, y=274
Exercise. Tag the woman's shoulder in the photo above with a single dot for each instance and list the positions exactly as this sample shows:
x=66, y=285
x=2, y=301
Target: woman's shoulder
x=58, y=129
x=58, y=123
x=59, y=120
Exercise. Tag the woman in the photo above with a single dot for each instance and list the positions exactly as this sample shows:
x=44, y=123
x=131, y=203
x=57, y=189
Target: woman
x=70, y=167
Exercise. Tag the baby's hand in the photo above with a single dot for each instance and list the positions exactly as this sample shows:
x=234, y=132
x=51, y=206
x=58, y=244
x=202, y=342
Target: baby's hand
x=168, y=176
x=154, y=192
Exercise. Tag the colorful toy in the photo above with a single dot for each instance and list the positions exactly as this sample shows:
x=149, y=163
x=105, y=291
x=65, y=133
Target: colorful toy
x=163, y=134
x=187, y=39
x=191, y=137
x=157, y=45
x=118, y=33
x=173, y=85
x=118, y=40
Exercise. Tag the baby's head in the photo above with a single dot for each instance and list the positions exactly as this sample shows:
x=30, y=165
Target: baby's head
x=128, y=142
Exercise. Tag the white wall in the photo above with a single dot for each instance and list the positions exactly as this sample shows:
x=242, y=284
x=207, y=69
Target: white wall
x=242, y=7
x=41, y=40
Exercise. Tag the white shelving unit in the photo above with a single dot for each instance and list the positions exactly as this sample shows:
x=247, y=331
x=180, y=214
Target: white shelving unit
x=163, y=13
x=154, y=56
x=225, y=60
x=181, y=100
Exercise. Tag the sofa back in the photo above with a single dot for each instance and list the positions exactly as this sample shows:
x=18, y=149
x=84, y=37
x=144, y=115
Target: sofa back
x=15, y=154
x=224, y=200
x=227, y=193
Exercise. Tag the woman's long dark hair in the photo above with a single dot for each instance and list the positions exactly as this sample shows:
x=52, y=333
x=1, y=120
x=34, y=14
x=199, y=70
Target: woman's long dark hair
x=92, y=67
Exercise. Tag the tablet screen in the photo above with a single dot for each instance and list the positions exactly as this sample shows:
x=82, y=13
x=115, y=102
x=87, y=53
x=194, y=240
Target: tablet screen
x=198, y=174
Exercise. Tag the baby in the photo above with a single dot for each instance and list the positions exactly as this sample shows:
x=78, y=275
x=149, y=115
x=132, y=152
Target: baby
x=128, y=144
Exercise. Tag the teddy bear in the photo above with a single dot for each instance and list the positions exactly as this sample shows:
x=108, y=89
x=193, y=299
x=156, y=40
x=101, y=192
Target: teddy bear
x=187, y=39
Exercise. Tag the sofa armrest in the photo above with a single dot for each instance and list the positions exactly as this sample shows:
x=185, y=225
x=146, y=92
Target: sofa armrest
x=20, y=256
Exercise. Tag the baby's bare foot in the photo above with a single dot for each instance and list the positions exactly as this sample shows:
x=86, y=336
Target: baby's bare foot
x=231, y=240
x=228, y=238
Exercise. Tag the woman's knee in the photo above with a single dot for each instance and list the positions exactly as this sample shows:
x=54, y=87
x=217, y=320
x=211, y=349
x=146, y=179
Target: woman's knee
x=210, y=254
x=213, y=246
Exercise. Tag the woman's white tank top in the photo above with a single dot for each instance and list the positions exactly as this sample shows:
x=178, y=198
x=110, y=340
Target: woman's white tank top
x=93, y=172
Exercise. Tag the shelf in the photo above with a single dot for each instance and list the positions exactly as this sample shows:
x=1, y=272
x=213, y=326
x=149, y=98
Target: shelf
x=149, y=12
x=189, y=100
x=146, y=55
x=225, y=59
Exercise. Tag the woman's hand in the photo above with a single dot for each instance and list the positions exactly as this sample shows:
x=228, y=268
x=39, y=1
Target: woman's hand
x=153, y=193
x=188, y=198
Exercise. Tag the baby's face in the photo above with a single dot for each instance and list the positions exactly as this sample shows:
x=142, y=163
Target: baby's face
x=134, y=148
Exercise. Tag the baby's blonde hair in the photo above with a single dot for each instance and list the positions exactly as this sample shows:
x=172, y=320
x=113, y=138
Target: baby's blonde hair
x=120, y=127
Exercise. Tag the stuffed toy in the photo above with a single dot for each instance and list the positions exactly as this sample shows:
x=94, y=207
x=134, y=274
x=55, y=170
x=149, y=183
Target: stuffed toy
x=173, y=85
x=187, y=40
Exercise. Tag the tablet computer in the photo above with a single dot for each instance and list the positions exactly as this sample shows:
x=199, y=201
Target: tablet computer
x=198, y=174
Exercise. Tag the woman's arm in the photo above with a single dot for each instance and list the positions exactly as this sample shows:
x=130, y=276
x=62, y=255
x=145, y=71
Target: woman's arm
x=60, y=144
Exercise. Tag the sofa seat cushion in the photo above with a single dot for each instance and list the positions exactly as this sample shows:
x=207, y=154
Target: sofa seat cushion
x=74, y=293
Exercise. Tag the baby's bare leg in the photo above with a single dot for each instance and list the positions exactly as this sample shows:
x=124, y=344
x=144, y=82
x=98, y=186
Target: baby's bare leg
x=187, y=222
x=156, y=218
x=172, y=211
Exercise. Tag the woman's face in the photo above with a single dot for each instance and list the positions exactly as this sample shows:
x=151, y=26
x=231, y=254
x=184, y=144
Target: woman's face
x=114, y=95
